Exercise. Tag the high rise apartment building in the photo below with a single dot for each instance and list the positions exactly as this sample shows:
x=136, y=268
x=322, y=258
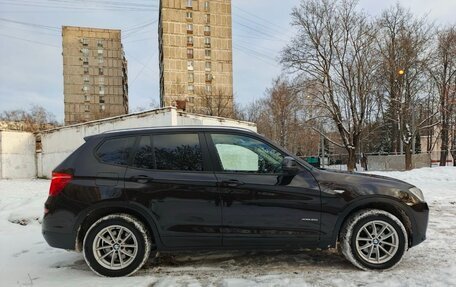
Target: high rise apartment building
x=95, y=74
x=195, y=46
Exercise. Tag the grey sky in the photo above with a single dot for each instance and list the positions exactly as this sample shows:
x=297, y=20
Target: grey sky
x=31, y=61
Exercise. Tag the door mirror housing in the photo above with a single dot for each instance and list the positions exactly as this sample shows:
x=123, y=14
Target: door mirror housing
x=289, y=165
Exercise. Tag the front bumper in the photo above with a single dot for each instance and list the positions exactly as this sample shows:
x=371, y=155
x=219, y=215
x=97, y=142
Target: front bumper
x=420, y=213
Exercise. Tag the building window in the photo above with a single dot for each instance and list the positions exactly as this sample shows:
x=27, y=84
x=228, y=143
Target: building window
x=101, y=80
x=207, y=29
x=86, y=79
x=207, y=53
x=189, y=28
x=191, y=77
x=190, y=88
x=189, y=15
x=85, y=89
x=206, y=5
x=87, y=108
x=190, y=53
x=208, y=89
x=100, y=71
x=101, y=90
x=207, y=66
x=100, y=51
x=207, y=41
x=100, y=60
x=102, y=100
x=86, y=70
x=190, y=65
x=189, y=3
x=100, y=43
x=191, y=99
x=208, y=77
x=84, y=42
x=102, y=108
x=85, y=51
x=190, y=40
x=85, y=60
x=87, y=98
x=207, y=18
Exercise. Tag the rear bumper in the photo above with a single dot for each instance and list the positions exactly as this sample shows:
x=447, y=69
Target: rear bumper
x=58, y=227
x=59, y=240
x=420, y=214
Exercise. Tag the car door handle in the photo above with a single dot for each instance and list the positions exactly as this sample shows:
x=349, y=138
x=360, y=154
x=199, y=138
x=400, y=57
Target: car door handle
x=141, y=178
x=231, y=183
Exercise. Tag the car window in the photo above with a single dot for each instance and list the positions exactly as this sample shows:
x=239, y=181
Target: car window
x=245, y=154
x=144, y=157
x=116, y=151
x=178, y=152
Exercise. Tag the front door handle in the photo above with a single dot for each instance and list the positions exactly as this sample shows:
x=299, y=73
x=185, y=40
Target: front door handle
x=141, y=178
x=231, y=183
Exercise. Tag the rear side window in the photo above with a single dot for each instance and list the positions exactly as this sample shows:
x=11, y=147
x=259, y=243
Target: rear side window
x=116, y=151
x=178, y=152
x=144, y=157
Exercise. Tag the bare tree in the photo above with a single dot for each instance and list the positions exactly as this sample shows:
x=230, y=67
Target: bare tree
x=443, y=72
x=403, y=43
x=283, y=102
x=214, y=103
x=335, y=47
x=35, y=119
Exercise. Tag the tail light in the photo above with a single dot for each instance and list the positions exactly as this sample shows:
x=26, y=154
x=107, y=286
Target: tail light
x=58, y=183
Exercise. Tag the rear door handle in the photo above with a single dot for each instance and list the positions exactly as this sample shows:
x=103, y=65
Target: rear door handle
x=231, y=183
x=141, y=178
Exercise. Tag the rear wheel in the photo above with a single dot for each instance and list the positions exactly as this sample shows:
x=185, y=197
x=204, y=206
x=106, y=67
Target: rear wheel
x=373, y=239
x=117, y=245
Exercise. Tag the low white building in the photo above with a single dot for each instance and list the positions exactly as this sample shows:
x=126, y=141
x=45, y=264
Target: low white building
x=20, y=159
x=17, y=154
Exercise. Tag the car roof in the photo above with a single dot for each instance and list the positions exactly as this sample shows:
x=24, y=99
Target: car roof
x=195, y=128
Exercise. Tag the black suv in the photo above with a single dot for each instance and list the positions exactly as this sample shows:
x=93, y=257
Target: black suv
x=125, y=194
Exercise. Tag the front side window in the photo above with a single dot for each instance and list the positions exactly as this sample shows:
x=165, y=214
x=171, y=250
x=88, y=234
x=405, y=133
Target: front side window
x=116, y=151
x=178, y=152
x=245, y=154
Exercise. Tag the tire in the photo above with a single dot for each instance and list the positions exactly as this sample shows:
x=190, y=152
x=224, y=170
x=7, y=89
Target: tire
x=370, y=248
x=122, y=256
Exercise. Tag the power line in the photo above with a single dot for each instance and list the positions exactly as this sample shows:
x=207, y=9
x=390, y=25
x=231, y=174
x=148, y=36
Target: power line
x=259, y=18
x=87, y=6
x=34, y=25
x=28, y=40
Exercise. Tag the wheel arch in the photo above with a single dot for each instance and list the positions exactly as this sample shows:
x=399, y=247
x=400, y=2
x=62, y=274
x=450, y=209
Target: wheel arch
x=90, y=216
x=390, y=205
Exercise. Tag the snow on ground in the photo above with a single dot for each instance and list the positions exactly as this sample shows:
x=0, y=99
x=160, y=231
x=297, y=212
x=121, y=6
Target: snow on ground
x=26, y=259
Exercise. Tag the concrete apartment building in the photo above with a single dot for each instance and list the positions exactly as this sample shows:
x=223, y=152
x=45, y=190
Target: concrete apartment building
x=95, y=74
x=195, y=48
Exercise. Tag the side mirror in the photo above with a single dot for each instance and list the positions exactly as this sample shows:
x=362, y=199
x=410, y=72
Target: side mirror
x=289, y=165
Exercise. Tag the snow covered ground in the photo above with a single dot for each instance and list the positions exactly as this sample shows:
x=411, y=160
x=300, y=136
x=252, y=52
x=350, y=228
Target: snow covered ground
x=26, y=259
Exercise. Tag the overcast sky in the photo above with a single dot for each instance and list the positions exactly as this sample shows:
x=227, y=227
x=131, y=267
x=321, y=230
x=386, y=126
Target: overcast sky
x=31, y=60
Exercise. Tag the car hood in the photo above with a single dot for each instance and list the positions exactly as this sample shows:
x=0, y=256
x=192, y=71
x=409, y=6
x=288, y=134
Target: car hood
x=355, y=184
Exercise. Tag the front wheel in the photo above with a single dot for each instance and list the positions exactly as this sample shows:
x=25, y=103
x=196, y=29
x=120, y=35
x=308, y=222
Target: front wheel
x=373, y=239
x=116, y=245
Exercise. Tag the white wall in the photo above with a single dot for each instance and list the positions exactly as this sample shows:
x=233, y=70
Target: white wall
x=17, y=154
x=57, y=144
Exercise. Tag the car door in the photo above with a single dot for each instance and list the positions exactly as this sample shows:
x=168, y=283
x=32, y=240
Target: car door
x=261, y=204
x=170, y=174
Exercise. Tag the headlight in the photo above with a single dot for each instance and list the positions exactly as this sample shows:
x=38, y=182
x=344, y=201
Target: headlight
x=417, y=192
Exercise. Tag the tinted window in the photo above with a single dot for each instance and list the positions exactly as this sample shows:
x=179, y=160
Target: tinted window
x=178, y=152
x=116, y=151
x=144, y=157
x=244, y=154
